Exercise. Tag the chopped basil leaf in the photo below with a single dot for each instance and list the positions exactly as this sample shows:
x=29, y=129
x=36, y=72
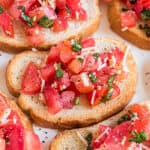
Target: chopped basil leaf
x=45, y=22
x=107, y=97
x=92, y=77
x=96, y=55
x=59, y=71
x=89, y=140
x=1, y=9
x=76, y=100
x=80, y=59
x=145, y=14
x=77, y=46
x=139, y=137
x=110, y=81
x=34, y=18
x=132, y=1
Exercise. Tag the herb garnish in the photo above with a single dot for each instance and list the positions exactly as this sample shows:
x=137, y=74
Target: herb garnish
x=77, y=46
x=145, y=14
x=139, y=137
x=45, y=22
x=76, y=101
x=1, y=9
x=59, y=71
x=146, y=28
x=110, y=81
x=89, y=140
x=126, y=117
x=92, y=77
x=96, y=55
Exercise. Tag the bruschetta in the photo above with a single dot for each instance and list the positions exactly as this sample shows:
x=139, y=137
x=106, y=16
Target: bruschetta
x=15, y=129
x=126, y=130
x=78, y=83
x=130, y=19
x=41, y=23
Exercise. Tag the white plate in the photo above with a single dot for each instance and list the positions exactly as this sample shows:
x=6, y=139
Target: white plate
x=142, y=58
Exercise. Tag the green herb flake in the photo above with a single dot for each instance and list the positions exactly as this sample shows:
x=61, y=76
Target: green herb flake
x=45, y=22
x=96, y=55
x=80, y=59
x=34, y=18
x=77, y=46
x=110, y=81
x=1, y=9
x=59, y=71
x=145, y=14
x=138, y=137
x=89, y=138
x=76, y=101
x=92, y=77
x=107, y=97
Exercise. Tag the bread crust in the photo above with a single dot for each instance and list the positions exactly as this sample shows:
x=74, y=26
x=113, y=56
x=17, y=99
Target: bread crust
x=80, y=115
x=133, y=35
x=69, y=139
x=20, y=44
x=11, y=103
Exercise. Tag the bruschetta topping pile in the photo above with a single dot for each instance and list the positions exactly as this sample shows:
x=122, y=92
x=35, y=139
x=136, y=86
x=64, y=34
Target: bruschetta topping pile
x=13, y=136
x=73, y=68
x=136, y=11
x=38, y=14
x=132, y=132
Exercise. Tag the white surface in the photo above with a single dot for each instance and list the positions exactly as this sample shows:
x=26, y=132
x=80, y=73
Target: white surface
x=142, y=58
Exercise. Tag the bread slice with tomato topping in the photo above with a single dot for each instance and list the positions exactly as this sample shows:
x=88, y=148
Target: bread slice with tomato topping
x=15, y=128
x=76, y=84
x=130, y=20
x=127, y=130
x=40, y=24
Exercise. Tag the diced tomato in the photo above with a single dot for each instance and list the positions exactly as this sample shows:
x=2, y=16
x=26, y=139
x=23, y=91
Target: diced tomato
x=60, y=24
x=6, y=23
x=65, y=13
x=32, y=141
x=64, y=82
x=35, y=35
x=61, y=4
x=6, y=3
x=82, y=83
x=52, y=99
x=102, y=79
x=2, y=144
x=141, y=111
x=66, y=53
x=103, y=133
x=31, y=82
x=90, y=64
x=73, y=4
x=14, y=136
x=48, y=72
x=128, y=19
x=67, y=98
x=53, y=55
x=116, y=91
x=105, y=57
x=75, y=66
x=118, y=54
x=73, y=88
x=88, y=42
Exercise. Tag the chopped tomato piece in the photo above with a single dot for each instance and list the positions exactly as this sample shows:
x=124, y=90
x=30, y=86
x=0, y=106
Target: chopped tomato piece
x=118, y=54
x=67, y=98
x=52, y=99
x=2, y=144
x=75, y=66
x=73, y=4
x=61, y=4
x=128, y=19
x=88, y=42
x=53, y=55
x=48, y=72
x=116, y=91
x=6, y=24
x=15, y=136
x=73, y=88
x=82, y=83
x=31, y=82
x=34, y=35
x=6, y=3
x=60, y=24
x=32, y=141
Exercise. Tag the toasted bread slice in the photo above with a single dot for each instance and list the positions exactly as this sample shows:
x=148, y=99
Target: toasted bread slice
x=74, y=139
x=80, y=115
x=25, y=121
x=133, y=35
x=77, y=29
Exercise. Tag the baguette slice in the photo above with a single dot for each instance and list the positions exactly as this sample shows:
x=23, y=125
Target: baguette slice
x=76, y=29
x=72, y=139
x=133, y=35
x=80, y=115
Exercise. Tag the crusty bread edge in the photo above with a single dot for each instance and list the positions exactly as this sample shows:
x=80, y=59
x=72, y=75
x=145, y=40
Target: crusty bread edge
x=110, y=121
x=129, y=35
